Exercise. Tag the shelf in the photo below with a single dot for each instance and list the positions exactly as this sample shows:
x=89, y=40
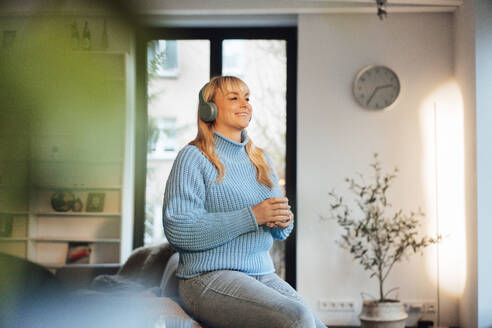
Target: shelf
x=74, y=161
x=87, y=214
x=77, y=187
x=4, y=186
x=15, y=213
x=82, y=240
x=13, y=239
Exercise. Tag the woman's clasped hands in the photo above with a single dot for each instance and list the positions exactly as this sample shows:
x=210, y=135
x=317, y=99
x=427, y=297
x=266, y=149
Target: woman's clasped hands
x=273, y=212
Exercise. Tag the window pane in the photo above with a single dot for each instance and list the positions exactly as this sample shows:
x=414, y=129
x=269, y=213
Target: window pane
x=262, y=64
x=172, y=114
x=162, y=58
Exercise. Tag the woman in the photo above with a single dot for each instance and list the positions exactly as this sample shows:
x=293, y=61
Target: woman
x=222, y=209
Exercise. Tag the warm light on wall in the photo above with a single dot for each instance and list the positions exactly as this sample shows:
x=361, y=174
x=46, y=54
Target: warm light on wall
x=443, y=135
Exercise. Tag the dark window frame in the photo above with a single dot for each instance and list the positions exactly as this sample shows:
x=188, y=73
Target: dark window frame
x=216, y=36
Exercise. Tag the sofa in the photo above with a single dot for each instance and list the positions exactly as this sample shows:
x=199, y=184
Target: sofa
x=142, y=292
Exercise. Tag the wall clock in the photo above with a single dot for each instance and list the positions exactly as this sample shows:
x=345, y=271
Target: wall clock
x=376, y=87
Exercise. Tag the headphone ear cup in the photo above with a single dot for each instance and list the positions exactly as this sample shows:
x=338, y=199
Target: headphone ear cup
x=207, y=110
x=211, y=113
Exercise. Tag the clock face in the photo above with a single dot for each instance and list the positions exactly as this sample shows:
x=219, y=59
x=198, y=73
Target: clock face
x=376, y=87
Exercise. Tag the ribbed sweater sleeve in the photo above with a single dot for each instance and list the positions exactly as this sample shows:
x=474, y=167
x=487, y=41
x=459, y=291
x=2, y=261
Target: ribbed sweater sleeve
x=187, y=224
x=280, y=234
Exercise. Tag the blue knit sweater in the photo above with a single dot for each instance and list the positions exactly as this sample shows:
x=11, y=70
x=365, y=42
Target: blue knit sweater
x=212, y=224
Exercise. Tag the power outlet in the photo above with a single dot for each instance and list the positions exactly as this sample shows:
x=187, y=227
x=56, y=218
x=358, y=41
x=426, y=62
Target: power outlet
x=413, y=307
x=422, y=307
x=430, y=307
x=336, y=306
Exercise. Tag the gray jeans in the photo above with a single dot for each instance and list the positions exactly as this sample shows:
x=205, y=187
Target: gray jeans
x=227, y=299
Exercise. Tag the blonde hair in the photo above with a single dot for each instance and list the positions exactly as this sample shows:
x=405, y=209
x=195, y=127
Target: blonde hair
x=204, y=139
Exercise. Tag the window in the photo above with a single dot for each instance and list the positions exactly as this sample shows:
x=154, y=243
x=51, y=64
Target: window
x=163, y=55
x=171, y=122
x=162, y=139
x=265, y=58
x=233, y=55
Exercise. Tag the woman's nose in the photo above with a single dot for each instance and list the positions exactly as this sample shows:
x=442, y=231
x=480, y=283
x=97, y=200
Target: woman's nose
x=244, y=103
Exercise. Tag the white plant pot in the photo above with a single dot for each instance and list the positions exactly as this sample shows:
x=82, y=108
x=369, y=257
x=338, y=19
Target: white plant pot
x=382, y=314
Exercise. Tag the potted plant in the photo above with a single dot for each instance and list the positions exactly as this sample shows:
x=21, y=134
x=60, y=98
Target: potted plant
x=378, y=240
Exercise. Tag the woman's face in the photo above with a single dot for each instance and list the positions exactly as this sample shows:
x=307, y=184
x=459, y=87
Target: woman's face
x=234, y=109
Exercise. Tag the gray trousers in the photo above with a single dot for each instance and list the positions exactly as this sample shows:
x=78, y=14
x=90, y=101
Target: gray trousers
x=230, y=299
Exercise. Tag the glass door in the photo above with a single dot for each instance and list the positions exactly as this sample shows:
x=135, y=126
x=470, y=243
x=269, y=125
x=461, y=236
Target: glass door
x=262, y=64
x=178, y=62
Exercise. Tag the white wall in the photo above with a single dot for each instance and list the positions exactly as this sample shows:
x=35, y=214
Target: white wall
x=337, y=138
x=464, y=52
x=483, y=48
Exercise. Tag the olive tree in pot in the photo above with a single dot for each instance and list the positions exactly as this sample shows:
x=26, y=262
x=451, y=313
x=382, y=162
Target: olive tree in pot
x=378, y=240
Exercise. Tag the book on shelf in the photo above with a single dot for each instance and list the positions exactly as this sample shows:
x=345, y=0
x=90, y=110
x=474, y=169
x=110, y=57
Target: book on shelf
x=78, y=252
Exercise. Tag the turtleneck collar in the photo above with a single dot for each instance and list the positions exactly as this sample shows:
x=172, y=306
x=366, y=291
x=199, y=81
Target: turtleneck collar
x=226, y=146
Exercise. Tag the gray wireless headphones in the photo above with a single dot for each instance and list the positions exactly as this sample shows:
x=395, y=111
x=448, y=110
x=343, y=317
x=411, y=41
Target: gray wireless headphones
x=208, y=110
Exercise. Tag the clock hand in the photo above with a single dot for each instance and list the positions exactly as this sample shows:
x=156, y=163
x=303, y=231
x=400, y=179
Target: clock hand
x=377, y=89
x=372, y=95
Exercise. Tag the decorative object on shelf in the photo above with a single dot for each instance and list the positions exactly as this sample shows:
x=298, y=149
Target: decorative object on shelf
x=77, y=205
x=382, y=13
x=86, y=37
x=78, y=252
x=5, y=225
x=62, y=201
x=75, y=37
x=95, y=202
x=375, y=233
x=376, y=87
x=104, y=37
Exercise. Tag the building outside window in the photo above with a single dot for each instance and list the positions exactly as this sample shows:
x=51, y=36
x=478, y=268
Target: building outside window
x=163, y=143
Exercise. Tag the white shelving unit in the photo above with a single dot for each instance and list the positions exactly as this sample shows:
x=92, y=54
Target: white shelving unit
x=81, y=157
x=51, y=233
